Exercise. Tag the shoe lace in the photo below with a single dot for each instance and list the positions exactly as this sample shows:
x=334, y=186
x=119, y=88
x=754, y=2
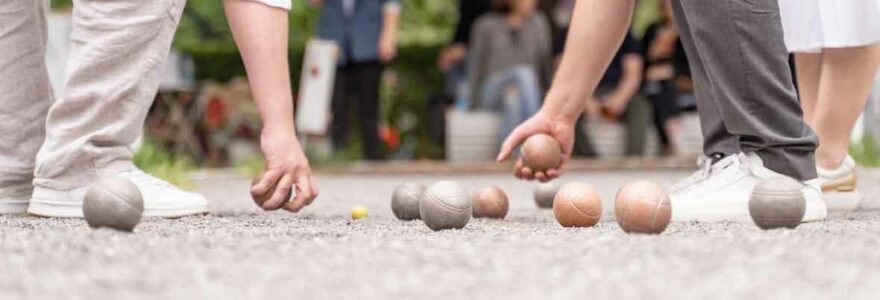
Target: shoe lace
x=739, y=161
x=144, y=178
x=704, y=169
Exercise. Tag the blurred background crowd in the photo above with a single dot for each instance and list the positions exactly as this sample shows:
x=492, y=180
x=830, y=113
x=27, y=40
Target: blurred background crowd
x=422, y=79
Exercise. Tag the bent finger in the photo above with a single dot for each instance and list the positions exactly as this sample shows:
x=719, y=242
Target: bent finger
x=281, y=194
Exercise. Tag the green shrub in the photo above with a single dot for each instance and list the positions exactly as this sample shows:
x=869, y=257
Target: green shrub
x=163, y=164
x=867, y=152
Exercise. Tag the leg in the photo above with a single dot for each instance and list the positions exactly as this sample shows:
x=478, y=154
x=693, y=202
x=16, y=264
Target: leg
x=637, y=119
x=582, y=145
x=717, y=141
x=742, y=51
x=665, y=108
x=118, y=50
x=341, y=107
x=518, y=106
x=529, y=90
x=847, y=77
x=117, y=53
x=26, y=96
x=809, y=70
x=369, y=77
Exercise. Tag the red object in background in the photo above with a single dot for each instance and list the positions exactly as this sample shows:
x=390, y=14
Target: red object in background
x=215, y=113
x=607, y=114
x=390, y=136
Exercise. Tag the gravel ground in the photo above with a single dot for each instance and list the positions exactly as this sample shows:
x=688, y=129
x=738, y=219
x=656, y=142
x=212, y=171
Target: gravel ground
x=241, y=252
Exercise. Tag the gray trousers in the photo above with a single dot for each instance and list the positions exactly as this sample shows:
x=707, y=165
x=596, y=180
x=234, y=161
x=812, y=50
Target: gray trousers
x=745, y=93
x=117, y=51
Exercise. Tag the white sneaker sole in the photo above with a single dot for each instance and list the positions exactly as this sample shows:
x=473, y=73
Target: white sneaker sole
x=52, y=209
x=717, y=212
x=842, y=201
x=816, y=211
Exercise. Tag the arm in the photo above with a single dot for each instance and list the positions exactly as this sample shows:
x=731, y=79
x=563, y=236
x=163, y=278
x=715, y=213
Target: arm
x=388, y=37
x=451, y=55
x=597, y=29
x=260, y=31
x=633, y=66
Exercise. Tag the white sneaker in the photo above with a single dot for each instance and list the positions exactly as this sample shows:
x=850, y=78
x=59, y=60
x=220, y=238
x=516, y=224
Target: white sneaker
x=839, y=186
x=14, y=198
x=704, y=169
x=161, y=199
x=725, y=194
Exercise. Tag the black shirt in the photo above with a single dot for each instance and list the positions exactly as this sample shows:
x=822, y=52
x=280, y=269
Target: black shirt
x=615, y=69
x=678, y=59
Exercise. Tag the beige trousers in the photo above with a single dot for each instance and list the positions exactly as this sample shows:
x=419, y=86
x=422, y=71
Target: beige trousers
x=117, y=51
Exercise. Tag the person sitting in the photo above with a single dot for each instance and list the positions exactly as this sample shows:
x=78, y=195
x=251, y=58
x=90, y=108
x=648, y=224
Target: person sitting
x=617, y=98
x=451, y=61
x=510, y=61
x=665, y=69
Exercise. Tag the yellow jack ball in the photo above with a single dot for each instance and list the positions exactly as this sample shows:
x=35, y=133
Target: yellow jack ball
x=358, y=212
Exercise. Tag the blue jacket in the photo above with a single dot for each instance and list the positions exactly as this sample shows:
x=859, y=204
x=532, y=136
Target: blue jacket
x=358, y=35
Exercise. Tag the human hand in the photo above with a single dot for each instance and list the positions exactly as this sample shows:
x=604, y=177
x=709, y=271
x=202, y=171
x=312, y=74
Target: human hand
x=613, y=107
x=287, y=168
x=560, y=128
x=387, y=48
x=450, y=56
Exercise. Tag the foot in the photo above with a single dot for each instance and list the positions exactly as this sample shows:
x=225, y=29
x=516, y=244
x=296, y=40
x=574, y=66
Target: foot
x=839, y=186
x=841, y=179
x=14, y=197
x=725, y=194
x=161, y=199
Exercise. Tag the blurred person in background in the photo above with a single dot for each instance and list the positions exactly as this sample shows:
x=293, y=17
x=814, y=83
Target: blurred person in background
x=452, y=63
x=366, y=33
x=51, y=149
x=455, y=53
x=559, y=14
x=510, y=61
x=617, y=98
x=835, y=44
x=665, y=66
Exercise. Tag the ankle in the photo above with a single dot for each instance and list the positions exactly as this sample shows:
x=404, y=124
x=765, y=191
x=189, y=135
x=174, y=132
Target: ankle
x=829, y=161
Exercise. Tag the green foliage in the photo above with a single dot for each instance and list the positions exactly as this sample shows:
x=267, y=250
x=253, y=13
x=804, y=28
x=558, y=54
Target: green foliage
x=646, y=13
x=204, y=34
x=163, y=164
x=251, y=167
x=61, y=4
x=427, y=22
x=417, y=79
x=867, y=152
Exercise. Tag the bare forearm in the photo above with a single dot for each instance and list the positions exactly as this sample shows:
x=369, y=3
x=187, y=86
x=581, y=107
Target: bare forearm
x=390, y=21
x=598, y=27
x=261, y=33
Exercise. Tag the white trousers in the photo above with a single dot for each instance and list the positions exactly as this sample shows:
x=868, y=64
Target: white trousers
x=117, y=51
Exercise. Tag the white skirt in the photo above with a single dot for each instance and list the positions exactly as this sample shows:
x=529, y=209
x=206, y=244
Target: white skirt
x=811, y=25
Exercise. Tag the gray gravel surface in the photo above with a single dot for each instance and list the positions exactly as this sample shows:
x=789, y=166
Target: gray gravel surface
x=241, y=252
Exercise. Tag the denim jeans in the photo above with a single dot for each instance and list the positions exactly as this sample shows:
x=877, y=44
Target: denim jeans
x=515, y=92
